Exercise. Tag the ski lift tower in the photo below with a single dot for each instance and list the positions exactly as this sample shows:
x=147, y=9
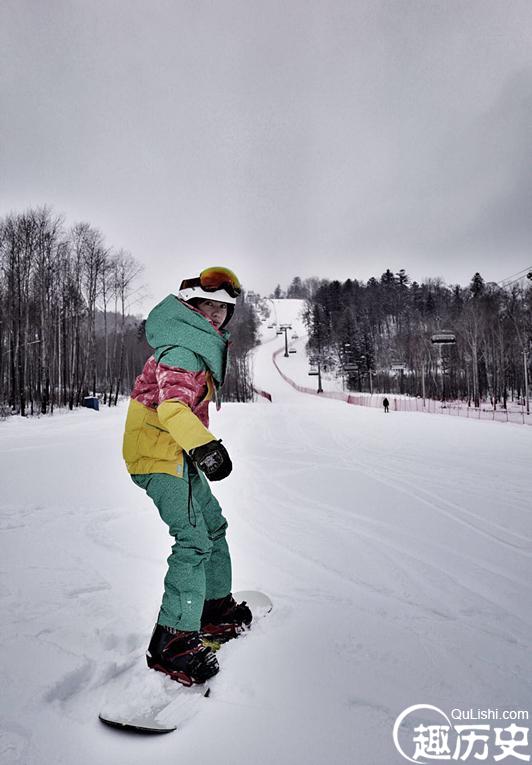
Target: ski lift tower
x=440, y=338
x=284, y=328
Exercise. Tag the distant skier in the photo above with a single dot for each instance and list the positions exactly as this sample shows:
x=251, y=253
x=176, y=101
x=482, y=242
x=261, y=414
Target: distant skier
x=169, y=450
x=386, y=404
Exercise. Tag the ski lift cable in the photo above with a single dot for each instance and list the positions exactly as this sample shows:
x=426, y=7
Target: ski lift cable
x=514, y=277
x=517, y=274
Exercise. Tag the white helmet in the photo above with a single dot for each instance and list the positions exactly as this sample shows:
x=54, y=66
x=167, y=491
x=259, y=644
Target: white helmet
x=216, y=283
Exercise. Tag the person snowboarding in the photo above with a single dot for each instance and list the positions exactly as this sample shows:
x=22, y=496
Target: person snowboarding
x=171, y=454
x=386, y=405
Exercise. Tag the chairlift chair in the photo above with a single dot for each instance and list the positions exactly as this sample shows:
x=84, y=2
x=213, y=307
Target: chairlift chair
x=443, y=337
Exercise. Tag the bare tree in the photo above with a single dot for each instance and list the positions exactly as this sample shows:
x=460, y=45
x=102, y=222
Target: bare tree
x=50, y=340
x=126, y=270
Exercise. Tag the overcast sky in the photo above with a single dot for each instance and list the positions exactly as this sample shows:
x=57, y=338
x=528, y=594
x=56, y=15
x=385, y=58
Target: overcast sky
x=334, y=138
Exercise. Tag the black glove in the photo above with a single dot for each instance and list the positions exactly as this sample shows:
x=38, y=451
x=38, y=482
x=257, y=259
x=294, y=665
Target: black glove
x=213, y=460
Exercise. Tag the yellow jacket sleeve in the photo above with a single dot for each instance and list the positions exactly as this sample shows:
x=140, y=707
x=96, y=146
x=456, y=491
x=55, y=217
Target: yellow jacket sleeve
x=183, y=425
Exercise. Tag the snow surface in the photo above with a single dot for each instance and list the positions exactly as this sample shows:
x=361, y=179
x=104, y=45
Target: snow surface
x=396, y=548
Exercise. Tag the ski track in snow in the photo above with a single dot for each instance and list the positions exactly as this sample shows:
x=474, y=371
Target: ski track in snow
x=396, y=549
x=435, y=502
x=403, y=565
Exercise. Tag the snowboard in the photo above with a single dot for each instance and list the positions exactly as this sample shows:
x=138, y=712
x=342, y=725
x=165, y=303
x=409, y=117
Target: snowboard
x=141, y=700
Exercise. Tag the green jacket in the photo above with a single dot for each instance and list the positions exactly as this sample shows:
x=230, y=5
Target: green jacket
x=168, y=411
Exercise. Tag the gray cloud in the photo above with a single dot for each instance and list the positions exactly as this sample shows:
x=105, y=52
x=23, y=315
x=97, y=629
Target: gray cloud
x=304, y=137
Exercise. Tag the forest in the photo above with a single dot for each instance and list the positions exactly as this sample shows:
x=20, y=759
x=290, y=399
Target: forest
x=385, y=335
x=68, y=329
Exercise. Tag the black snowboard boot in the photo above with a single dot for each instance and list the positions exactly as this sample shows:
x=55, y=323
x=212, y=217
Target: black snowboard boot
x=224, y=619
x=181, y=655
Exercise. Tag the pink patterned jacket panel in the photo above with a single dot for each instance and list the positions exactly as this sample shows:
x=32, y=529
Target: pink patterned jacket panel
x=159, y=382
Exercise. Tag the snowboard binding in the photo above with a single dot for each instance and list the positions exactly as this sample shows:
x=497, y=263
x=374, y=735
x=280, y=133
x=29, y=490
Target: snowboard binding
x=181, y=655
x=224, y=619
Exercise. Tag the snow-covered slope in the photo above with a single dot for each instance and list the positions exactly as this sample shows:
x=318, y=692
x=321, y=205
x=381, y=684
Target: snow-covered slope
x=296, y=365
x=397, y=550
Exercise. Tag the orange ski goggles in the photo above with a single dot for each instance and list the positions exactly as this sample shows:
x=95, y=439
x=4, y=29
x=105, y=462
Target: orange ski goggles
x=216, y=278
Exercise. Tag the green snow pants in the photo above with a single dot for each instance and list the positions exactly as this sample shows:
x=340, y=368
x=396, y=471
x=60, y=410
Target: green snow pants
x=199, y=566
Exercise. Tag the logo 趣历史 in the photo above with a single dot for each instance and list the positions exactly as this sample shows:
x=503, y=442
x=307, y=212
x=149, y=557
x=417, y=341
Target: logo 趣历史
x=442, y=740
